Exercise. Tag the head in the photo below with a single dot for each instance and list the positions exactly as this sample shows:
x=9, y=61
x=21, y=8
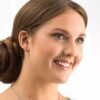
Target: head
x=37, y=19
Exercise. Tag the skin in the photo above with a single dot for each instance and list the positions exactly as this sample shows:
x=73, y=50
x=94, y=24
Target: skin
x=59, y=39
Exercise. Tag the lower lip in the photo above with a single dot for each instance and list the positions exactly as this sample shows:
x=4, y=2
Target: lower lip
x=61, y=67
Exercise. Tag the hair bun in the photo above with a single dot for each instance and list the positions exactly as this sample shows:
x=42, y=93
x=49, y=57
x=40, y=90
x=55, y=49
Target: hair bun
x=8, y=61
x=3, y=56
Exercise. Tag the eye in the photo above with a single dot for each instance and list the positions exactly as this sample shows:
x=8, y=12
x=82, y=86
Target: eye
x=80, y=40
x=59, y=36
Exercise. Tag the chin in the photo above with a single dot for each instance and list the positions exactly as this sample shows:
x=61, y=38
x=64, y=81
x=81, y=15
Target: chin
x=61, y=81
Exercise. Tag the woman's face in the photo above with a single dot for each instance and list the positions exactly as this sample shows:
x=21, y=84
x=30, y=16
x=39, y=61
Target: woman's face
x=56, y=48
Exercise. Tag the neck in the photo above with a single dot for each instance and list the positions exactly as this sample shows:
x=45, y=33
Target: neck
x=36, y=92
x=35, y=89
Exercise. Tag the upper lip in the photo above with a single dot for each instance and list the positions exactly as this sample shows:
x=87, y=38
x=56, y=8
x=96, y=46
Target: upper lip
x=65, y=61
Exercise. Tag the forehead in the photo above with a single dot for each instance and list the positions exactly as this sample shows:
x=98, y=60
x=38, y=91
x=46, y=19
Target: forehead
x=70, y=21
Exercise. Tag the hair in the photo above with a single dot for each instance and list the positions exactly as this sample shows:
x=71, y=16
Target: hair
x=29, y=18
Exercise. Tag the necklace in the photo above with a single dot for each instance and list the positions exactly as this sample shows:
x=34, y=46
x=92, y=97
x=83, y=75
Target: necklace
x=18, y=96
x=16, y=93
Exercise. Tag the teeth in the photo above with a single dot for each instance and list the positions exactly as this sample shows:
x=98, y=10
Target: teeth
x=63, y=63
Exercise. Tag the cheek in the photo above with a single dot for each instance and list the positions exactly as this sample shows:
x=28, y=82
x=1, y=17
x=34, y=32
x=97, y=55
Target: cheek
x=47, y=49
x=78, y=58
x=80, y=54
x=44, y=50
x=42, y=56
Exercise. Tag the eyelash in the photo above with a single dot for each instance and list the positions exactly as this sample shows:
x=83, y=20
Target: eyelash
x=59, y=36
x=80, y=40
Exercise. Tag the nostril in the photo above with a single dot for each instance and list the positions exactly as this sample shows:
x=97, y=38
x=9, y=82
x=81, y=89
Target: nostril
x=69, y=54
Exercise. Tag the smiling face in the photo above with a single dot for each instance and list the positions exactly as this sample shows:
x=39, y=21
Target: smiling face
x=56, y=48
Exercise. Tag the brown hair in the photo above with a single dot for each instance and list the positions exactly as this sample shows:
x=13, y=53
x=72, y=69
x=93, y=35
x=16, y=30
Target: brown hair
x=29, y=18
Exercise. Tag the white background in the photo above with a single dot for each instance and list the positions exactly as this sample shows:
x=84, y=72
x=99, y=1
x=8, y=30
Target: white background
x=84, y=83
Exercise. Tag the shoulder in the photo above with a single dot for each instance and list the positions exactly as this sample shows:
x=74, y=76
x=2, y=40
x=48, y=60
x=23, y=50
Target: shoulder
x=6, y=95
x=2, y=96
x=66, y=98
x=61, y=97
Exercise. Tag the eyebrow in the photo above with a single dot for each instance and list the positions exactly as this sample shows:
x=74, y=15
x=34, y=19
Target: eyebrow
x=67, y=33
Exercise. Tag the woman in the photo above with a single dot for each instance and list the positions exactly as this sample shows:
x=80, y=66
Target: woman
x=44, y=48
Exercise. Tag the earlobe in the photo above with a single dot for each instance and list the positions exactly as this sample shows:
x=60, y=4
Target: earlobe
x=23, y=40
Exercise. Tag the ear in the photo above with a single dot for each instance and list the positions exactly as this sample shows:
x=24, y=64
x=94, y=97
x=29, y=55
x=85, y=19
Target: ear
x=23, y=39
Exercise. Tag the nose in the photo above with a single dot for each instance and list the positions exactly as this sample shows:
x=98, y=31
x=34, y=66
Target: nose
x=70, y=49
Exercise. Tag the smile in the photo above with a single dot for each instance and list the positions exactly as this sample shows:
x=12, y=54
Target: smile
x=62, y=64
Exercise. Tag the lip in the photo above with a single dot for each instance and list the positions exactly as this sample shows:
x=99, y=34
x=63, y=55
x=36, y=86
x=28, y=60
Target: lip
x=63, y=64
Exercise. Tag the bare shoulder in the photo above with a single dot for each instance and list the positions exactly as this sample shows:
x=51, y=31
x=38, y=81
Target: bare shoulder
x=61, y=97
x=6, y=95
x=2, y=96
x=66, y=98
